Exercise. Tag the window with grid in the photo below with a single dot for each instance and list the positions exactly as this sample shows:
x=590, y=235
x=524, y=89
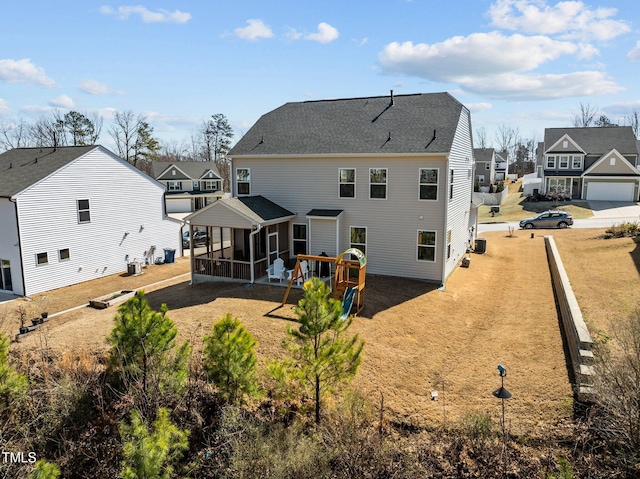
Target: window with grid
x=359, y=238
x=426, y=245
x=299, y=239
x=243, y=181
x=347, y=183
x=378, y=183
x=428, y=183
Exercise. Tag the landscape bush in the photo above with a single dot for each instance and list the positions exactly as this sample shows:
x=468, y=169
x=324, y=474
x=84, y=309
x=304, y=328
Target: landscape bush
x=627, y=228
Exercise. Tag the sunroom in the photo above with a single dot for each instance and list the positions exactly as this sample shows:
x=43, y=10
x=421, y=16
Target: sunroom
x=244, y=236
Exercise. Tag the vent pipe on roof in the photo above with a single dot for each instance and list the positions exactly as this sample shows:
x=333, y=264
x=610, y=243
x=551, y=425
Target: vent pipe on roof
x=10, y=165
x=432, y=139
x=391, y=102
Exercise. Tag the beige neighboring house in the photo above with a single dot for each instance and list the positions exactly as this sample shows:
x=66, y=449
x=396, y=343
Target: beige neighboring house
x=190, y=185
x=389, y=175
x=593, y=163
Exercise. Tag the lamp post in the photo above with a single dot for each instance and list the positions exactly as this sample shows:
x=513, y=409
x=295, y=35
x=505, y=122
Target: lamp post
x=502, y=393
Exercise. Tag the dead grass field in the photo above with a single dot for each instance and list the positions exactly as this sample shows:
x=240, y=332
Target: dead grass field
x=499, y=311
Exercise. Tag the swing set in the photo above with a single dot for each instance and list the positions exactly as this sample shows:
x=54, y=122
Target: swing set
x=348, y=279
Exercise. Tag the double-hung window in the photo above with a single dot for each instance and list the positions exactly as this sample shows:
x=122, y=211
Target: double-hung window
x=426, y=245
x=576, y=163
x=551, y=162
x=378, y=183
x=358, y=236
x=243, y=181
x=428, y=184
x=564, y=162
x=174, y=185
x=84, y=212
x=346, y=183
x=299, y=239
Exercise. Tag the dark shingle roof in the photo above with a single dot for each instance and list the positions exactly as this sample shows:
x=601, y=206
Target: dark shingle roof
x=194, y=169
x=356, y=125
x=22, y=167
x=483, y=154
x=596, y=140
x=326, y=213
x=258, y=208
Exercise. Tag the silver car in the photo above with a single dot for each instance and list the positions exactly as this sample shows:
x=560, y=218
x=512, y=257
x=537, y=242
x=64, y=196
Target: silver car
x=548, y=219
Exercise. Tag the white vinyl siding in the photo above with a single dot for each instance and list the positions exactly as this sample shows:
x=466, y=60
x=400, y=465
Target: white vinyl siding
x=322, y=237
x=122, y=200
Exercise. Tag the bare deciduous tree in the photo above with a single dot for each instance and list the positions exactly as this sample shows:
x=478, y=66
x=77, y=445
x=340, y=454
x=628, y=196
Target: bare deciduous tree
x=481, y=138
x=14, y=134
x=134, y=139
x=633, y=120
x=586, y=115
x=48, y=131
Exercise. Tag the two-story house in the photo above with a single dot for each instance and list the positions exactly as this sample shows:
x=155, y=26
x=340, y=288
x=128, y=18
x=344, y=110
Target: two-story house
x=389, y=175
x=593, y=163
x=190, y=185
x=485, y=166
x=71, y=214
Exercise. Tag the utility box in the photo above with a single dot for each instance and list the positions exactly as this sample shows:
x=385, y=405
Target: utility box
x=134, y=267
x=481, y=245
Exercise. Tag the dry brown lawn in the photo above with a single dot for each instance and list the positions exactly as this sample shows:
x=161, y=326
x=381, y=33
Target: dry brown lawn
x=500, y=310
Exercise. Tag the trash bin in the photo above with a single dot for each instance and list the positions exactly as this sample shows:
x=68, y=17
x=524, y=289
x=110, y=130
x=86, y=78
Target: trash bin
x=481, y=245
x=169, y=255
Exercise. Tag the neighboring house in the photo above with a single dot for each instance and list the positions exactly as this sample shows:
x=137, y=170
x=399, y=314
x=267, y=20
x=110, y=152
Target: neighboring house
x=71, y=214
x=593, y=163
x=501, y=166
x=485, y=166
x=391, y=176
x=190, y=185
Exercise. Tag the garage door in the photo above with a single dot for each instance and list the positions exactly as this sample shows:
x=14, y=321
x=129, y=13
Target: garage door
x=610, y=191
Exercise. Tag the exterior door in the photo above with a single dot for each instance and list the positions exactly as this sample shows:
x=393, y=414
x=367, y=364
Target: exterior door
x=5, y=275
x=575, y=188
x=272, y=247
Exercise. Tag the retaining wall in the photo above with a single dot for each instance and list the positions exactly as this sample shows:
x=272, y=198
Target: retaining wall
x=576, y=334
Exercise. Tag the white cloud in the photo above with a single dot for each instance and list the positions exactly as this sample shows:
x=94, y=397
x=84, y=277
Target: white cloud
x=514, y=86
x=478, y=107
x=569, y=19
x=325, y=34
x=23, y=71
x=146, y=15
x=293, y=34
x=477, y=55
x=4, y=108
x=254, y=30
x=634, y=54
x=63, y=101
x=93, y=87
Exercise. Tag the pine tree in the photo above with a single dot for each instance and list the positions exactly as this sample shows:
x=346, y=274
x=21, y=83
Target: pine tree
x=151, y=455
x=229, y=359
x=143, y=349
x=45, y=470
x=12, y=383
x=322, y=355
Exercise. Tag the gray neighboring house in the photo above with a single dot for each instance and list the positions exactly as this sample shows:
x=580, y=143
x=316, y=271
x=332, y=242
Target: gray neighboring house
x=485, y=165
x=190, y=185
x=592, y=163
x=72, y=214
x=390, y=175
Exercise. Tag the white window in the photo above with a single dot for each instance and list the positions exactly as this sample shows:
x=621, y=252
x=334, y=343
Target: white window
x=480, y=178
x=63, y=254
x=84, y=212
x=487, y=166
x=551, y=162
x=346, y=183
x=42, y=258
x=428, y=184
x=426, y=245
x=243, y=181
x=195, y=185
x=378, y=183
x=174, y=185
x=557, y=184
x=210, y=185
x=564, y=162
x=576, y=163
x=299, y=239
x=359, y=238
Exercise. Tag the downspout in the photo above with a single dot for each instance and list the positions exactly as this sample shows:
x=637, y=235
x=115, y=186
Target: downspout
x=446, y=219
x=251, y=251
x=24, y=284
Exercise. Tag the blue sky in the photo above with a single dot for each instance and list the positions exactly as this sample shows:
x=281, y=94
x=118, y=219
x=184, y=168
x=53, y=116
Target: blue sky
x=527, y=64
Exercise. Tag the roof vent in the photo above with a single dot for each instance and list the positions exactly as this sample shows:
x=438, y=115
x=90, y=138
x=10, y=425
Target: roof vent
x=391, y=102
x=10, y=165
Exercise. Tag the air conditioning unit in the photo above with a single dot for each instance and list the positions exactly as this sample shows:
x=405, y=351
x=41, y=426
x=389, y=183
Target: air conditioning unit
x=134, y=267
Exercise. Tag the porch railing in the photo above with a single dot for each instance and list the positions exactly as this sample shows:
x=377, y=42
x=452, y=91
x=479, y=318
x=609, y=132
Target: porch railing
x=222, y=268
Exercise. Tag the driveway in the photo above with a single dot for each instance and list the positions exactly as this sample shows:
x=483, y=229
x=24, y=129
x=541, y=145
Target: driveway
x=615, y=209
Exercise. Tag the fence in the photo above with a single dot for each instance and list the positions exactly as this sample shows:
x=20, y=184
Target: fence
x=575, y=330
x=490, y=198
